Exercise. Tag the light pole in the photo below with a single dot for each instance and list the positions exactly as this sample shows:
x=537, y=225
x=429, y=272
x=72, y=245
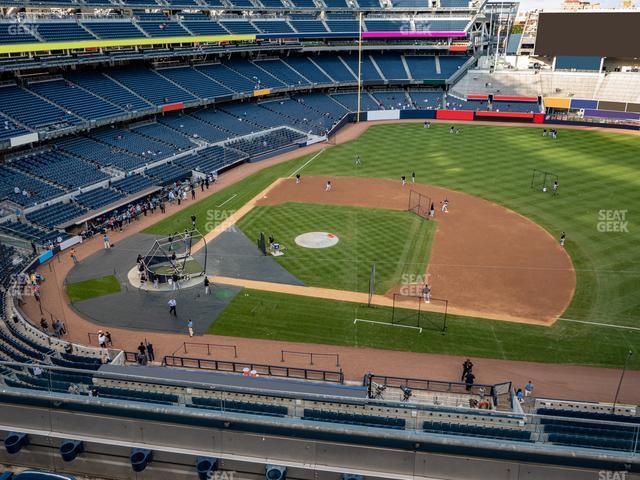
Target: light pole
x=624, y=369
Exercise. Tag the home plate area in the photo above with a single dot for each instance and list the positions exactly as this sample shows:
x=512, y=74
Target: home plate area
x=317, y=240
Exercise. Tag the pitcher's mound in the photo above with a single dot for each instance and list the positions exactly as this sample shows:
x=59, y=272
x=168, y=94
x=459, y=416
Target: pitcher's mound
x=317, y=240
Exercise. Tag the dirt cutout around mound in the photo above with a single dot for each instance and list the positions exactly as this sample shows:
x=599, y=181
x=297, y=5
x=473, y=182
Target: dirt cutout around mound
x=486, y=260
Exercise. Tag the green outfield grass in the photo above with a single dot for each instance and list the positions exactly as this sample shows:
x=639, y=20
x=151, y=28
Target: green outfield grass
x=398, y=243
x=599, y=176
x=93, y=288
x=301, y=319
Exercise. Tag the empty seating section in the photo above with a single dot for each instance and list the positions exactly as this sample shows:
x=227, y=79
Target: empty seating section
x=57, y=167
x=27, y=232
x=210, y=159
x=56, y=214
x=343, y=26
x=167, y=173
x=273, y=26
x=323, y=104
x=9, y=129
x=101, y=153
x=161, y=133
x=308, y=26
x=147, y=148
x=441, y=25
x=103, y=86
x=229, y=78
x=300, y=116
x=206, y=27
x=252, y=113
x=392, y=67
x=61, y=31
x=335, y=68
x=227, y=122
x=375, y=4
x=303, y=3
x=132, y=184
x=450, y=65
x=241, y=3
x=350, y=101
x=307, y=68
x=454, y=3
x=477, y=431
x=392, y=100
x=137, y=395
x=195, y=82
x=33, y=111
x=194, y=128
x=272, y=3
x=163, y=29
x=425, y=100
x=282, y=72
x=113, y=29
x=368, y=70
x=75, y=99
x=236, y=406
x=16, y=33
x=261, y=78
x=98, y=197
x=422, y=67
x=151, y=86
x=239, y=27
x=353, y=419
x=14, y=185
x=410, y=3
x=268, y=142
x=387, y=26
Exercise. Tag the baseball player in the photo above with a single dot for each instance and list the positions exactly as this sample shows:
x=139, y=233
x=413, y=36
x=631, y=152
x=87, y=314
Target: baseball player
x=413, y=177
x=563, y=237
x=445, y=206
x=555, y=187
x=297, y=178
x=327, y=188
x=404, y=180
x=426, y=293
x=358, y=160
x=432, y=210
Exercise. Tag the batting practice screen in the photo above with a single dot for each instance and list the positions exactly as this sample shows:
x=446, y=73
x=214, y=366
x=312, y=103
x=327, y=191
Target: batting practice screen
x=604, y=34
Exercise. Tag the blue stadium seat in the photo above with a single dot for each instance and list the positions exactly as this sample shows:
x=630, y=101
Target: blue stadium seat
x=56, y=214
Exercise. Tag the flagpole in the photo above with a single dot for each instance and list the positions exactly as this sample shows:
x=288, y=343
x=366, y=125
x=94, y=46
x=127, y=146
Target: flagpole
x=359, y=65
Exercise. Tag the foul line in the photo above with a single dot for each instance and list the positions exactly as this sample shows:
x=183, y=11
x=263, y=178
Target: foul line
x=307, y=163
x=228, y=199
x=624, y=327
x=356, y=320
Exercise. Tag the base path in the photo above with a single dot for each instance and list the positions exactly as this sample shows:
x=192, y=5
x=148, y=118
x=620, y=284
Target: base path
x=486, y=260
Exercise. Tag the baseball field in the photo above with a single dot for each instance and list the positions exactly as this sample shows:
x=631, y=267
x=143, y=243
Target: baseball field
x=513, y=229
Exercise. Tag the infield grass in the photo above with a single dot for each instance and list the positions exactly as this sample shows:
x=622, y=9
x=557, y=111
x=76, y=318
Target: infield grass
x=398, y=243
x=96, y=287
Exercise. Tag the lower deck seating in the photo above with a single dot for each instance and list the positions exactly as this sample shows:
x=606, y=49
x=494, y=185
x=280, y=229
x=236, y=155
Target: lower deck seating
x=98, y=198
x=477, y=431
x=132, y=183
x=56, y=214
x=236, y=406
x=270, y=141
x=353, y=419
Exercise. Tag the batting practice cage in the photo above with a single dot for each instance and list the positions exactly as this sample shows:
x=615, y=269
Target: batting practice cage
x=411, y=311
x=419, y=204
x=542, y=181
x=171, y=256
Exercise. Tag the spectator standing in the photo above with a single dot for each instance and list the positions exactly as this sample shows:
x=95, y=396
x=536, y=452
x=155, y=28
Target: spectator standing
x=102, y=339
x=150, y=353
x=528, y=389
x=44, y=325
x=207, y=284
x=57, y=328
x=142, y=350
x=467, y=367
x=73, y=256
x=190, y=327
x=172, y=307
